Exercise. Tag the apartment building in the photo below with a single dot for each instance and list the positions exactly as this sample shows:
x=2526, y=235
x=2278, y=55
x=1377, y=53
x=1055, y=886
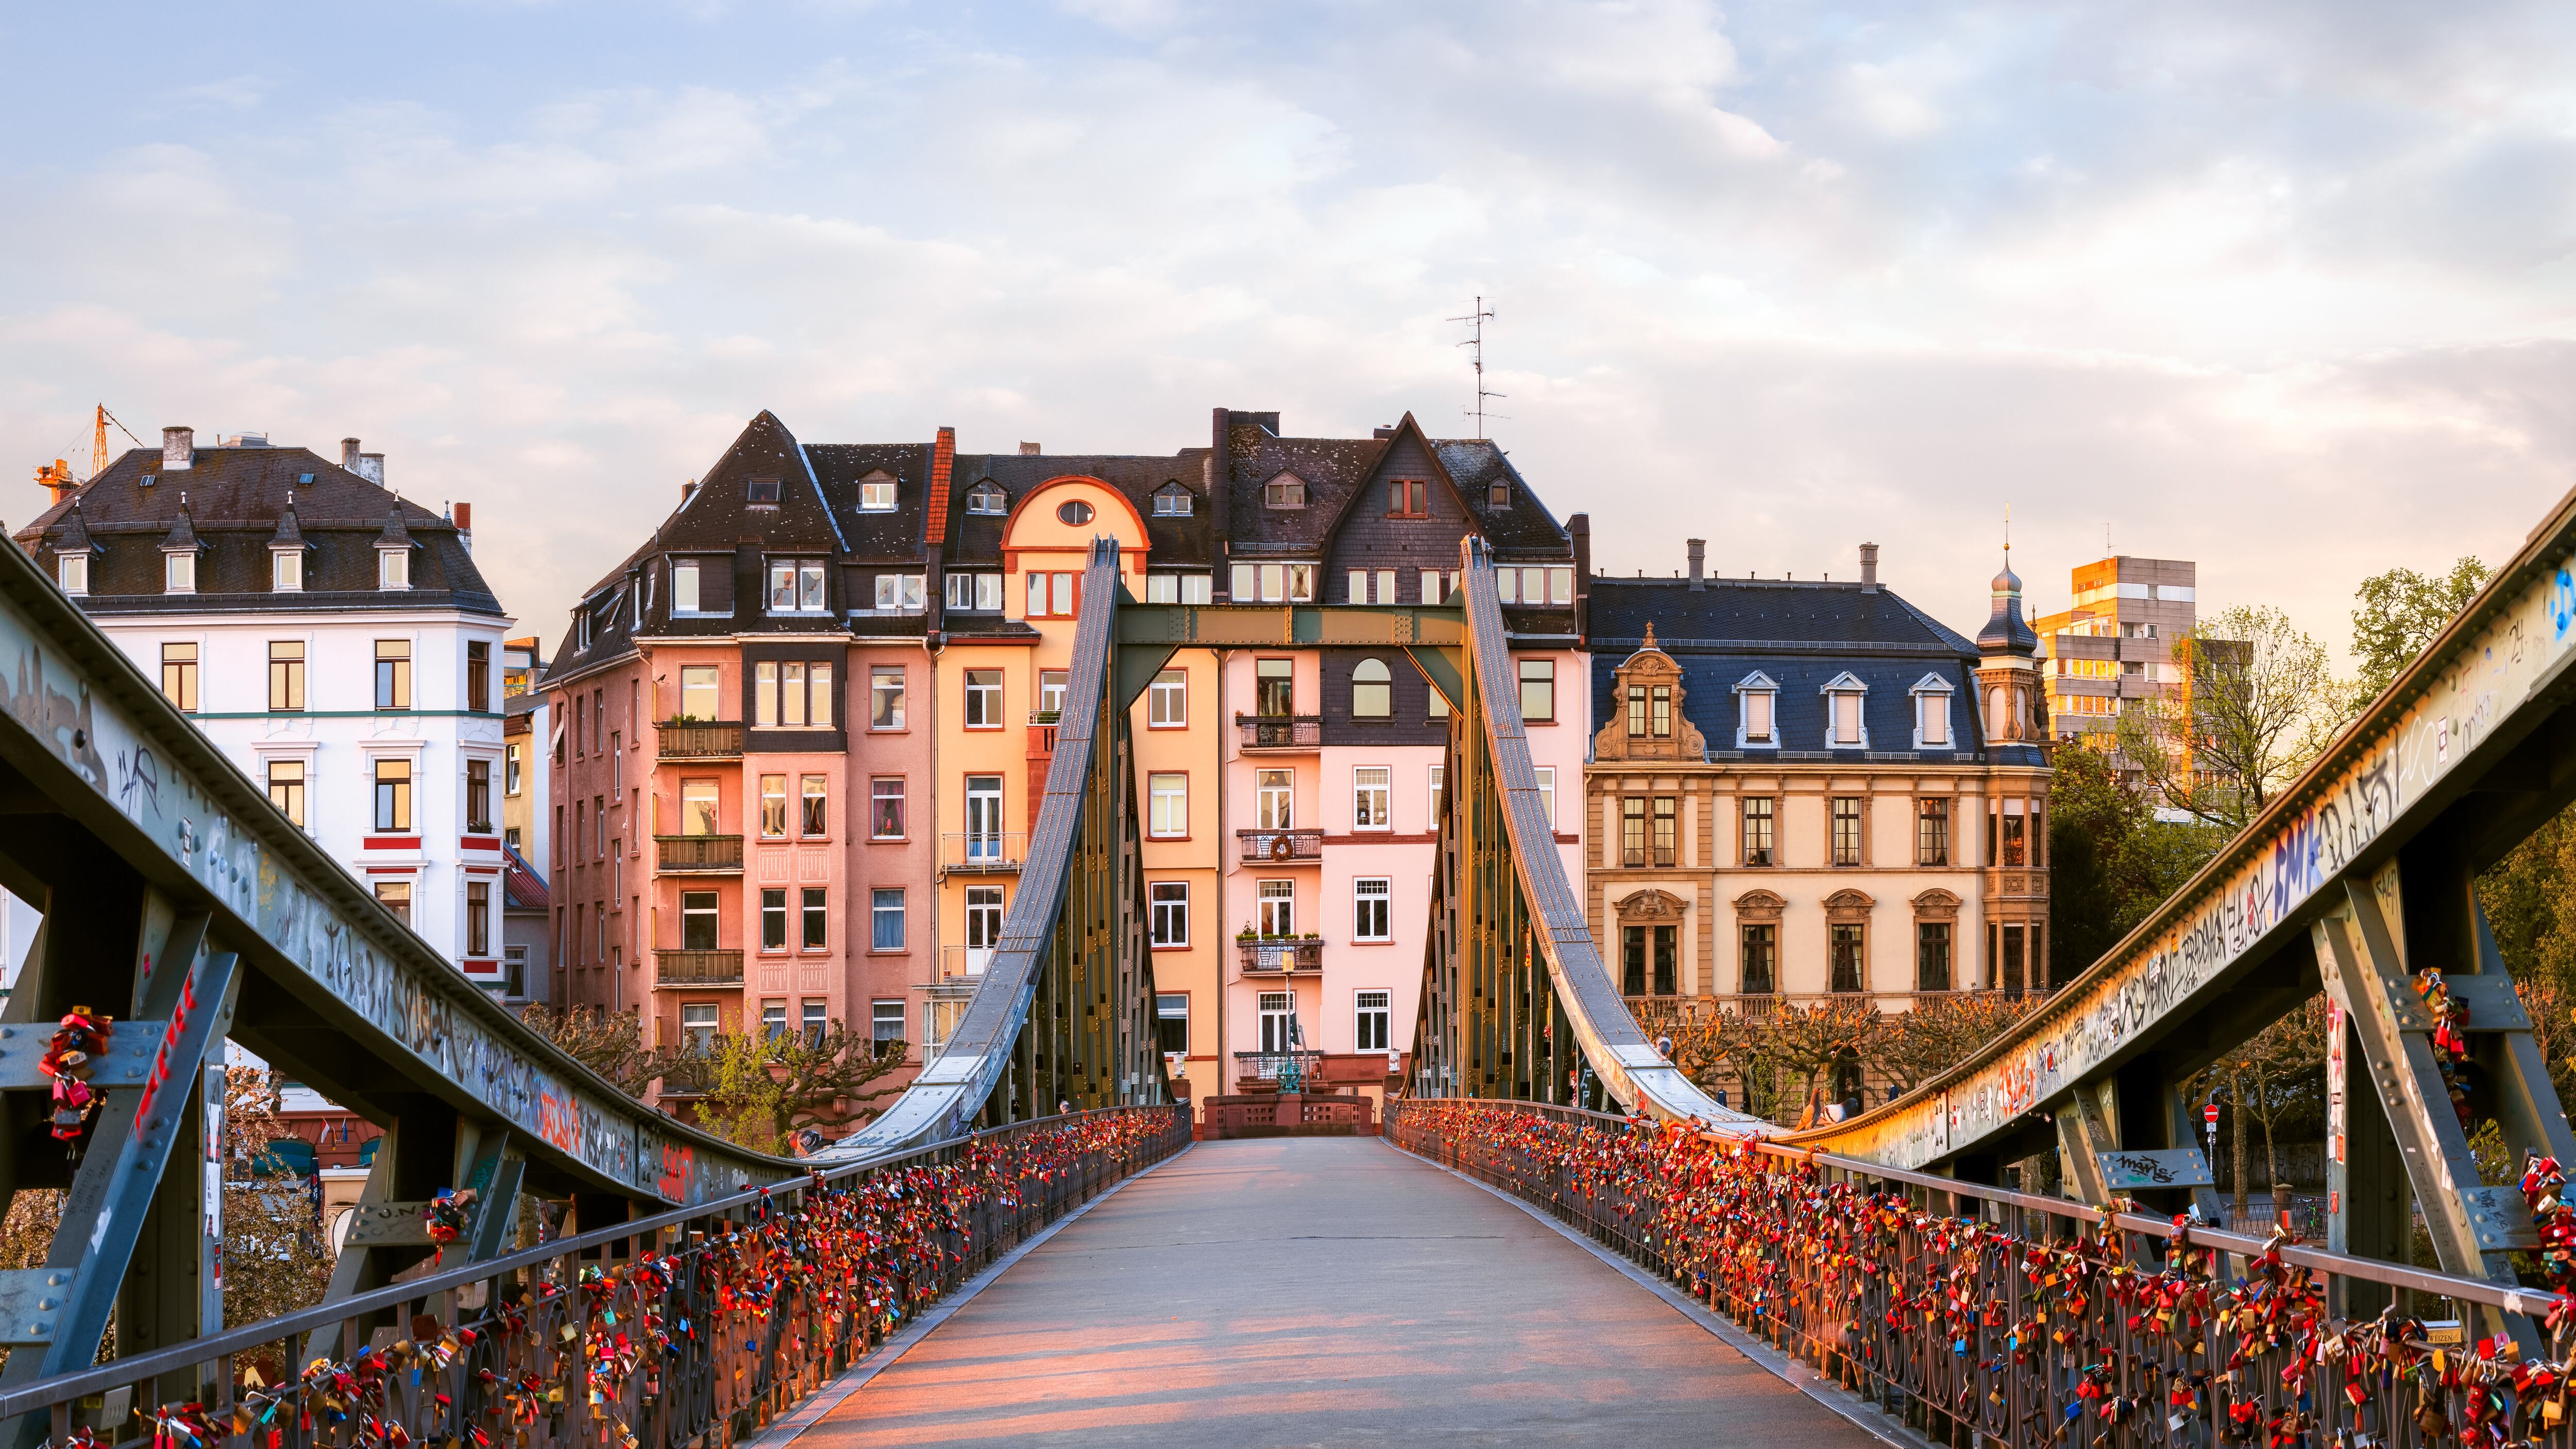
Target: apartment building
x=336, y=641
x=2114, y=644
x=1808, y=790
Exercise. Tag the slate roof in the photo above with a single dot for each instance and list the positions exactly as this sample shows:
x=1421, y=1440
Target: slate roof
x=1801, y=636
x=236, y=500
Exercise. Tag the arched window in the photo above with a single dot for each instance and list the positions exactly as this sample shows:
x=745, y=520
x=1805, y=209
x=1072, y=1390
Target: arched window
x=1372, y=690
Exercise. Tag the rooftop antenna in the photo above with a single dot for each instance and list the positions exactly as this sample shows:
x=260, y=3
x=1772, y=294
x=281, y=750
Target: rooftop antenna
x=1475, y=344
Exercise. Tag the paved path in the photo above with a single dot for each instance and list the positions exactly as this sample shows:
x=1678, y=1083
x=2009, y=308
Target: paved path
x=1319, y=1291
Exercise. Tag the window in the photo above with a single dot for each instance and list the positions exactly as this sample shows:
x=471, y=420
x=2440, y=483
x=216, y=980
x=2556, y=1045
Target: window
x=1754, y=713
x=617, y=762
x=983, y=926
x=817, y=932
x=1372, y=586
x=885, y=697
x=1284, y=491
x=1932, y=832
x=1051, y=693
x=393, y=795
x=987, y=497
x=697, y=920
x=698, y=807
x=773, y=920
x=179, y=572
x=885, y=808
x=1667, y=830
x=1179, y=589
x=1538, y=690
x=1371, y=900
x=1648, y=956
x=1437, y=584
x=478, y=794
x=1632, y=830
x=1759, y=847
x=393, y=674
x=1846, y=810
x=795, y=586
x=1408, y=498
x=478, y=675
x=286, y=571
x=698, y=1019
x=974, y=593
x=2013, y=836
x=885, y=920
x=815, y=819
x=286, y=788
x=876, y=494
x=1932, y=714
x=1172, y=501
x=1436, y=773
x=885, y=1026
x=792, y=694
x=1931, y=955
x=760, y=490
x=983, y=699
x=1172, y=1024
x=684, y=586
x=900, y=593
x=1275, y=799
x=1372, y=690
x=393, y=568
x=515, y=971
x=698, y=694
x=179, y=675
x=1168, y=810
x=1073, y=513
x=1274, y=583
x=1170, y=900
x=1650, y=711
x=1435, y=705
x=1051, y=595
x=1845, y=943
x=1278, y=1011
x=1278, y=900
x=1499, y=496
x=1546, y=776
x=773, y=806
x=395, y=897
x=1761, y=957
x=773, y=1019
x=478, y=918
x=1372, y=789
x=510, y=760
x=1167, y=700
x=1274, y=688
x=1843, y=727
x=1372, y=1012
x=983, y=819
x=71, y=570
x=1534, y=587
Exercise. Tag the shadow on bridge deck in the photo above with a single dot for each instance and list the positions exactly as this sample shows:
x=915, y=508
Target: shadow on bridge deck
x=1318, y=1291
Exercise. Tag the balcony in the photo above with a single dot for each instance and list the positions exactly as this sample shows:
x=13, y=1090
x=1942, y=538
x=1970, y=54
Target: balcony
x=982, y=852
x=697, y=968
x=699, y=854
x=1292, y=1070
x=1281, y=846
x=1275, y=957
x=961, y=970
x=1042, y=727
x=1280, y=734
x=676, y=741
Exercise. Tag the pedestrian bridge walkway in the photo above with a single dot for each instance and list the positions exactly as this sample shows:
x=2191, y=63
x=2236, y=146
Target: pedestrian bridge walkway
x=1319, y=1291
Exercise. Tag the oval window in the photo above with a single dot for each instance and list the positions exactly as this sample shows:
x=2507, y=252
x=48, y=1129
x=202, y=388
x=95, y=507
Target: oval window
x=1076, y=511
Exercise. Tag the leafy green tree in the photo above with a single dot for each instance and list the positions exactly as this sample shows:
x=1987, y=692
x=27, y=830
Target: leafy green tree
x=2254, y=707
x=2112, y=860
x=762, y=1090
x=2396, y=614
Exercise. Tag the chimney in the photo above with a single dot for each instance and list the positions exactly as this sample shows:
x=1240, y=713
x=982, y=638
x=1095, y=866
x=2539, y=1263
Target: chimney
x=1030, y=450
x=178, y=449
x=371, y=466
x=465, y=525
x=1869, y=568
x=1220, y=492
x=1698, y=565
x=1579, y=529
x=688, y=491
x=349, y=454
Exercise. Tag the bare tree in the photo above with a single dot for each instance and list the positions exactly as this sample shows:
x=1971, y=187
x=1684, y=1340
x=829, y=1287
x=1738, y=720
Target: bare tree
x=2255, y=702
x=610, y=1043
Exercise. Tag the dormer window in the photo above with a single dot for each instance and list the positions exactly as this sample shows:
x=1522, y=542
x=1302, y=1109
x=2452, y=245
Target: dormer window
x=761, y=492
x=1650, y=711
x=987, y=497
x=1172, y=500
x=1931, y=696
x=795, y=586
x=1499, y=496
x=393, y=568
x=71, y=570
x=684, y=586
x=1845, y=728
x=1285, y=491
x=286, y=571
x=179, y=572
x=1408, y=498
x=1756, y=712
x=876, y=493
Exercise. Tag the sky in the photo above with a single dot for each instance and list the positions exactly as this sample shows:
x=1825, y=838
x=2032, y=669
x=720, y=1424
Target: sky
x=2285, y=289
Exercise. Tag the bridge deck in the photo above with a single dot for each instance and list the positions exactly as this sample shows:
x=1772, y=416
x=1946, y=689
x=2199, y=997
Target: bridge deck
x=1318, y=1291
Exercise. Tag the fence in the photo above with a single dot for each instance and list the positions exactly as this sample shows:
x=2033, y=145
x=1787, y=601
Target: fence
x=1980, y=1314
x=691, y=1327
x=1287, y=1114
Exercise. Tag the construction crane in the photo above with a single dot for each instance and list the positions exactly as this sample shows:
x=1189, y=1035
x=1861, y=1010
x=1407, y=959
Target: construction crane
x=98, y=440
x=57, y=478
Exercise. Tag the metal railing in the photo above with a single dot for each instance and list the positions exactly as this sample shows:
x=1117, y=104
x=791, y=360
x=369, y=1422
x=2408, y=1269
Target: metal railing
x=697, y=968
x=1281, y=845
x=961, y=970
x=980, y=850
x=709, y=1320
x=1280, y=731
x=1275, y=956
x=717, y=741
x=1291, y=1070
x=1980, y=1314
x=1761, y=1005
x=712, y=853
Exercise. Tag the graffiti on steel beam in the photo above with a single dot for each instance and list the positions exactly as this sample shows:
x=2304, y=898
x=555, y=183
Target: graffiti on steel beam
x=2491, y=675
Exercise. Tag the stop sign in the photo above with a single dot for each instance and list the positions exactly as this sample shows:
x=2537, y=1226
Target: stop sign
x=2209, y=1114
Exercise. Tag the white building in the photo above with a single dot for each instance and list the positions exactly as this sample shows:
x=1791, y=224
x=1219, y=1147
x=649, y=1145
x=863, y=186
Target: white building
x=335, y=640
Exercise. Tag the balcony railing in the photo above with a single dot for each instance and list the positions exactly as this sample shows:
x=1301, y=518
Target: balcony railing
x=1273, y=957
x=697, y=968
x=982, y=850
x=719, y=741
x=1280, y=731
x=1761, y=1005
x=714, y=854
x=1281, y=845
x=961, y=970
x=1291, y=1070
